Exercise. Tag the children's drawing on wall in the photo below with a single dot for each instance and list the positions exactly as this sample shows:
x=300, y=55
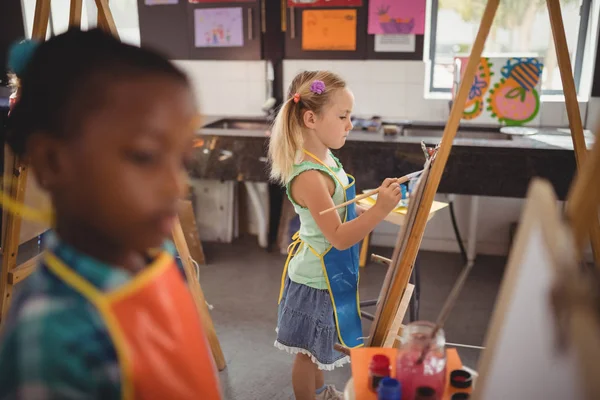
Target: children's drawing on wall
x=504, y=90
x=329, y=30
x=219, y=27
x=396, y=17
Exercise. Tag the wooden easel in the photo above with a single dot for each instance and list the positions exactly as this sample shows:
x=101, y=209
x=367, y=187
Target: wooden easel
x=16, y=171
x=403, y=260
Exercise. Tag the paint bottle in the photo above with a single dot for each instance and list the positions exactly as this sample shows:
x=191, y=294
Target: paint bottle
x=431, y=371
x=389, y=389
x=379, y=368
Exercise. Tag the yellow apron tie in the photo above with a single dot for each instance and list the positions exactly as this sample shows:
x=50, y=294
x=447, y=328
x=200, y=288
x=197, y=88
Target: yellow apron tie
x=292, y=250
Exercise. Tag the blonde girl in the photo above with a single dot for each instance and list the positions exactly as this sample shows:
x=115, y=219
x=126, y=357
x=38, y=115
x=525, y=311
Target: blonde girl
x=318, y=302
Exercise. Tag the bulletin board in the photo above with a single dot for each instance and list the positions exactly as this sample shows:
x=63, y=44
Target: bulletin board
x=398, y=37
x=202, y=29
x=332, y=27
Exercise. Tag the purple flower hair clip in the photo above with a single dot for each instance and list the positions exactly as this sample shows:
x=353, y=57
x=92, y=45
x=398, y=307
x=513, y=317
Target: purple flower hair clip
x=317, y=87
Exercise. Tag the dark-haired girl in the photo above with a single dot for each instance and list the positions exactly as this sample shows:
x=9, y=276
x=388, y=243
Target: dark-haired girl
x=107, y=128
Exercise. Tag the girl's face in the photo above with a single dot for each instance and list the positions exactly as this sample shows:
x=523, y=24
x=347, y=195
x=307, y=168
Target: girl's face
x=121, y=178
x=333, y=124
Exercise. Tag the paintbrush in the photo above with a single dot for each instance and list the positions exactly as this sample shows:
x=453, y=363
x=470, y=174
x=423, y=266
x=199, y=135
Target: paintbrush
x=400, y=181
x=448, y=306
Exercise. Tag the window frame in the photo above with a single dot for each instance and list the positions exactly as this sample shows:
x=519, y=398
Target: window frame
x=584, y=15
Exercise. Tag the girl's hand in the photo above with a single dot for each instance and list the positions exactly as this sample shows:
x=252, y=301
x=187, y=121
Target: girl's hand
x=389, y=196
x=359, y=210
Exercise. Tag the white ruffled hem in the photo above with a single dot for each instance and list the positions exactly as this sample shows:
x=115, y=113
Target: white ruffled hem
x=327, y=367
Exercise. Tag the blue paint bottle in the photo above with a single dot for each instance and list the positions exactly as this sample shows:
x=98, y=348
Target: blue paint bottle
x=389, y=389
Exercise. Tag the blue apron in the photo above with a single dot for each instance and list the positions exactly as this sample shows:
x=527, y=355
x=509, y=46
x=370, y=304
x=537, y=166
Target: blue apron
x=340, y=268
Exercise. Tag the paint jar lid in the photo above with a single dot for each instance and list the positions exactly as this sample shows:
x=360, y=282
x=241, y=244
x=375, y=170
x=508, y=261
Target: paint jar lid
x=459, y=378
x=380, y=364
x=389, y=389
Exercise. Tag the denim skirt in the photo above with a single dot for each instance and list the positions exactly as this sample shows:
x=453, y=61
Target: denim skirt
x=306, y=324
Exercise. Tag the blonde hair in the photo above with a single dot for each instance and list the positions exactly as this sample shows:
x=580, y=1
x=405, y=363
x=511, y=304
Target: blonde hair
x=286, y=134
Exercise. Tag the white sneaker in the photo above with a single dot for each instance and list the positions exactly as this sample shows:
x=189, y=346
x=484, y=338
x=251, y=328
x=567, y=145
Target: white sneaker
x=330, y=393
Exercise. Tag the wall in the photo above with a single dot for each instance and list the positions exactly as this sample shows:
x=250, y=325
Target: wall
x=228, y=87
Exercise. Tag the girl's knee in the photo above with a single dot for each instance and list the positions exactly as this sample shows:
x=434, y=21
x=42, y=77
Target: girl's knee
x=303, y=357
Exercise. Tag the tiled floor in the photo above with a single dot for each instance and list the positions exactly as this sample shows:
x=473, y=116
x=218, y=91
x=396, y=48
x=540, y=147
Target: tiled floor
x=242, y=283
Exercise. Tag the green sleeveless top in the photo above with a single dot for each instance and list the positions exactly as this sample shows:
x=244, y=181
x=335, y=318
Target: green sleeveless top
x=306, y=267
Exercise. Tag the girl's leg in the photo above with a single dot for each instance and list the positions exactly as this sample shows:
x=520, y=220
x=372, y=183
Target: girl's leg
x=319, y=379
x=304, y=377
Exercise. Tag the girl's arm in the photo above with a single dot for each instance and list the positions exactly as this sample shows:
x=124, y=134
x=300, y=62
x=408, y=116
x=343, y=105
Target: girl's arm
x=313, y=189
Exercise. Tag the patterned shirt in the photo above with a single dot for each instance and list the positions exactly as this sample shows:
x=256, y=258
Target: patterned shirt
x=55, y=344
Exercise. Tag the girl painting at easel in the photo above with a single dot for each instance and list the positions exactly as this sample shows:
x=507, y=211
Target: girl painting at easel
x=108, y=129
x=318, y=304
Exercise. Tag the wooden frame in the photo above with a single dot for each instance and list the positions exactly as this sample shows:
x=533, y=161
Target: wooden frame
x=404, y=264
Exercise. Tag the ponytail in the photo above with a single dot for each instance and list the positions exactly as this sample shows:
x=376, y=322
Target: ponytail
x=286, y=141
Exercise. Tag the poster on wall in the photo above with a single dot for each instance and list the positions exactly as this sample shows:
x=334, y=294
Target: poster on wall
x=329, y=30
x=219, y=27
x=324, y=3
x=505, y=91
x=160, y=2
x=396, y=17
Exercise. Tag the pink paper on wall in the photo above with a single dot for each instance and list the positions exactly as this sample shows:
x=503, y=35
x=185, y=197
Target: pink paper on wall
x=396, y=17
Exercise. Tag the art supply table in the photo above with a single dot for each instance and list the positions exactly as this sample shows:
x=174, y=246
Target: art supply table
x=399, y=214
x=357, y=387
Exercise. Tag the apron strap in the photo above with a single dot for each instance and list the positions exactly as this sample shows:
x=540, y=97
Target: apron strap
x=326, y=166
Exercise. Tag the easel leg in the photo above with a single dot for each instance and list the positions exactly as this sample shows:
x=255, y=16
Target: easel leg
x=196, y=290
x=415, y=280
x=364, y=251
x=10, y=247
x=396, y=328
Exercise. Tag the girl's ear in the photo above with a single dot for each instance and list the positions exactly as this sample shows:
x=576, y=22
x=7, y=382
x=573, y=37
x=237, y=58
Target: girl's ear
x=310, y=119
x=48, y=159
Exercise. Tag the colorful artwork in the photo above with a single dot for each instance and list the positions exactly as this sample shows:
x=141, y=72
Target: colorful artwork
x=396, y=17
x=514, y=100
x=510, y=99
x=324, y=3
x=329, y=30
x=219, y=27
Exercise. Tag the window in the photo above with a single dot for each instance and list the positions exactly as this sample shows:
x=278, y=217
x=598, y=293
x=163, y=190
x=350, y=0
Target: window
x=520, y=28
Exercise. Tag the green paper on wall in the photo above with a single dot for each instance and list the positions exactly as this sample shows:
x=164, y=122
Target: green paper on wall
x=333, y=30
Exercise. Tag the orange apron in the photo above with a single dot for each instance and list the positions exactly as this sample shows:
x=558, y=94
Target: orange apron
x=153, y=322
